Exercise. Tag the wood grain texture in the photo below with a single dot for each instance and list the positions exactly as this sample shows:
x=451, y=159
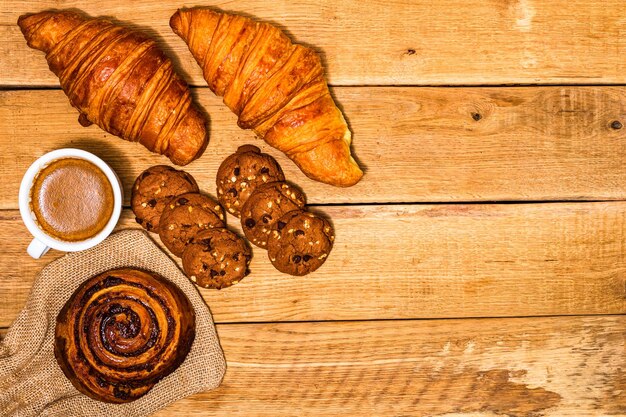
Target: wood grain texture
x=401, y=261
x=567, y=366
x=388, y=42
x=416, y=144
x=413, y=261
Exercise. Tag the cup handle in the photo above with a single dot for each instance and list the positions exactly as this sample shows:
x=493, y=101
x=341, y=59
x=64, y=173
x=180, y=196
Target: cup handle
x=37, y=249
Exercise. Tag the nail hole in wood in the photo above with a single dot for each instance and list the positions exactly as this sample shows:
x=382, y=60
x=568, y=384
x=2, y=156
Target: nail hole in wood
x=476, y=116
x=616, y=124
x=410, y=51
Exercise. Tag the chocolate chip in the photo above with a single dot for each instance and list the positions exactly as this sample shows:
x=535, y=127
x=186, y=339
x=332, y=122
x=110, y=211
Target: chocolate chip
x=204, y=266
x=237, y=171
x=266, y=218
x=213, y=273
x=299, y=232
x=247, y=272
x=265, y=170
x=182, y=201
x=280, y=225
x=250, y=223
x=306, y=258
x=296, y=259
x=148, y=226
x=138, y=220
x=222, y=272
x=152, y=202
x=236, y=257
x=233, y=192
x=207, y=243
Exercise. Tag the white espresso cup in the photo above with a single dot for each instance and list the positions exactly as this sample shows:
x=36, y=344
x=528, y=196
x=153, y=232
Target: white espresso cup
x=42, y=242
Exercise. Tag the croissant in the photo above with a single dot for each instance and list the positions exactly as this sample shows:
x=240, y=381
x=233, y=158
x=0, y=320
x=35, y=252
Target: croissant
x=121, y=332
x=275, y=87
x=120, y=80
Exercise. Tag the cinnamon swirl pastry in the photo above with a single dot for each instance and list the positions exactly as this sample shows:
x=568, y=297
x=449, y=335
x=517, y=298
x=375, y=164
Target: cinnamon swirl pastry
x=121, y=332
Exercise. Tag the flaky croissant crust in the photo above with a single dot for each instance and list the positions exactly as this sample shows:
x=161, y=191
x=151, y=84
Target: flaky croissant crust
x=120, y=80
x=276, y=87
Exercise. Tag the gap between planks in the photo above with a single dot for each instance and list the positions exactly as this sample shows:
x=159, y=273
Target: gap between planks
x=434, y=203
x=9, y=87
x=4, y=329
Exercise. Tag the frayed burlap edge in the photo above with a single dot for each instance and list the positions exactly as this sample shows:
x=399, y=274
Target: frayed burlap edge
x=31, y=382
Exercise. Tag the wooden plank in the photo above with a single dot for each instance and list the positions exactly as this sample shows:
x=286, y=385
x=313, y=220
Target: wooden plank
x=417, y=144
x=570, y=366
x=381, y=42
x=413, y=261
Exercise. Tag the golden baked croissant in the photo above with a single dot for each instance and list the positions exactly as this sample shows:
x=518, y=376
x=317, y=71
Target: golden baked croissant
x=120, y=80
x=277, y=88
x=121, y=332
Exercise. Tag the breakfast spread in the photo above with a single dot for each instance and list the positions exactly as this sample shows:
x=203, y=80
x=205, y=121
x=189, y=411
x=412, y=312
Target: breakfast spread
x=120, y=80
x=121, y=332
x=275, y=87
x=265, y=206
x=186, y=215
x=153, y=189
x=72, y=199
x=216, y=258
x=240, y=173
x=300, y=242
x=125, y=329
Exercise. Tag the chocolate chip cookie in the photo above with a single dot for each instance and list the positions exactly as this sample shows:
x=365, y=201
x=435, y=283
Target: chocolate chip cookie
x=300, y=242
x=153, y=189
x=265, y=206
x=185, y=216
x=197, y=200
x=217, y=258
x=241, y=173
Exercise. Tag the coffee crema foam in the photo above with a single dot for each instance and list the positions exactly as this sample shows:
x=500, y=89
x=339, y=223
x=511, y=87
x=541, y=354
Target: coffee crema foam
x=72, y=199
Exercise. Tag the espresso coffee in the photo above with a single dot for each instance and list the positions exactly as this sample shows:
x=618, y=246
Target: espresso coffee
x=72, y=199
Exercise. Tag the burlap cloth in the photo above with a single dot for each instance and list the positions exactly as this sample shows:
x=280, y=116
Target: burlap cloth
x=31, y=382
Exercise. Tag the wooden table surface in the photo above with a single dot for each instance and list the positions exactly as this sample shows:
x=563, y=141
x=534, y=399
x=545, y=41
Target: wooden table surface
x=479, y=267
